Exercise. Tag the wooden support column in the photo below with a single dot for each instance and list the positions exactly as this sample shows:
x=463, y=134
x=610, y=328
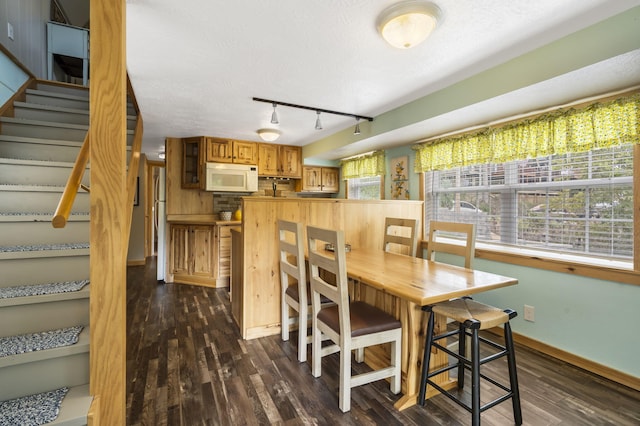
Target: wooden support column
x=108, y=210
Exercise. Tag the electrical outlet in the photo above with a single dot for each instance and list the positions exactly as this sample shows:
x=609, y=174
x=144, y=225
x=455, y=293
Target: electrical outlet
x=529, y=313
x=9, y=30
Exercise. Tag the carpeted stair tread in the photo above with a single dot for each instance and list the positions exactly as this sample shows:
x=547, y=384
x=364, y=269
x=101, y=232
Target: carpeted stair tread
x=14, y=345
x=43, y=247
x=32, y=410
x=42, y=289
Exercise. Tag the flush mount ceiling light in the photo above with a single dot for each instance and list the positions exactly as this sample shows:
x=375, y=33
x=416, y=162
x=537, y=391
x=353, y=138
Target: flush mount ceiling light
x=269, y=135
x=408, y=23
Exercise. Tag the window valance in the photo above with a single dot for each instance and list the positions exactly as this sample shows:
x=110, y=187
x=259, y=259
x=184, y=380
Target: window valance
x=599, y=125
x=364, y=166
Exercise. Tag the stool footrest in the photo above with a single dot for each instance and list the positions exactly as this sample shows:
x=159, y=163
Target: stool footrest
x=466, y=406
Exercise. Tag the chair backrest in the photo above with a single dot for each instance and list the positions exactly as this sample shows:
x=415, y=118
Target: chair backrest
x=323, y=264
x=400, y=235
x=434, y=245
x=292, y=262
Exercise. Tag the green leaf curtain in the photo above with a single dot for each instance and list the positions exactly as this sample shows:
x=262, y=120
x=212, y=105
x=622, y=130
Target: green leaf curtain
x=364, y=166
x=600, y=125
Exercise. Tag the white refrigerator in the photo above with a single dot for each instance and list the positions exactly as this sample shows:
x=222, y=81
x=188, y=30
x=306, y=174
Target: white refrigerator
x=160, y=222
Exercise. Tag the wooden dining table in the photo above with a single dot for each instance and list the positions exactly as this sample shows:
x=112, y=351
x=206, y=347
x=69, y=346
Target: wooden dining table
x=401, y=285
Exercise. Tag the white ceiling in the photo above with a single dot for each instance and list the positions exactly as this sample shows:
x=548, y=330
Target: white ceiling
x=195, y=66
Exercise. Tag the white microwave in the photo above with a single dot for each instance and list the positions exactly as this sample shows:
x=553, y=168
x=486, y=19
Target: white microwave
x=225, y=177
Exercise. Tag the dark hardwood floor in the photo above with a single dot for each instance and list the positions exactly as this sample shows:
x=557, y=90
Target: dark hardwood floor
x=188, y=365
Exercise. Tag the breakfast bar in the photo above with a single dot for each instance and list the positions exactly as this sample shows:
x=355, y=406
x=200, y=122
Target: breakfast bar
x=396, y=283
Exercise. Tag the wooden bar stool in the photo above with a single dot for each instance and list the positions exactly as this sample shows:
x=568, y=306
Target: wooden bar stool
x=471, y=317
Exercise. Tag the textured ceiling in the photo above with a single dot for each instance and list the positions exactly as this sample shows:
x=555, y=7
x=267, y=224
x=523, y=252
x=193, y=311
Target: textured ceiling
x=196, y=65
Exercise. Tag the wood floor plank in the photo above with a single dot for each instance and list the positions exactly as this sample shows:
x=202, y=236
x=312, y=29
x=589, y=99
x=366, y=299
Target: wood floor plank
x=187, y=365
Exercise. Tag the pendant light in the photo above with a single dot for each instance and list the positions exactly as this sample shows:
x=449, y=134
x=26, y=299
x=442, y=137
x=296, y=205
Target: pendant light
x=356, y=131
x=318, y=123
x=274, y=115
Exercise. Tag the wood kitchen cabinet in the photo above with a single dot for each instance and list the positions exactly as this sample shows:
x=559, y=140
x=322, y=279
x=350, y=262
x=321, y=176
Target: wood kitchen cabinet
x=222, y=256
x=320, y=179
x=201, y=253
x=279, y=160
x=192, y=163
x=220, y=150
x=192, y=248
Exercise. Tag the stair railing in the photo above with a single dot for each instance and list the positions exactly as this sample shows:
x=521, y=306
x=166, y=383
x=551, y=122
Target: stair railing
x=132, y=169
x=74, y=182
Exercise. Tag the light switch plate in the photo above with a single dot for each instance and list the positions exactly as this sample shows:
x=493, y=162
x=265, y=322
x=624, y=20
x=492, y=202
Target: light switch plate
x=529, y=313
x=9, y=30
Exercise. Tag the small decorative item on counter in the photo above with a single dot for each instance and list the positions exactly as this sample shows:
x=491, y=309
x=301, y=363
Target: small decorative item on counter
x=225, y=215
x=237, y=215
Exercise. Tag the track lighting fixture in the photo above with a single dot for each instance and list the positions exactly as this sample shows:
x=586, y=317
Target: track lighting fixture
x=274, y=117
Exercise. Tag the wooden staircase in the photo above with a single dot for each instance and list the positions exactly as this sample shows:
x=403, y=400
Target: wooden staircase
x=38, y=147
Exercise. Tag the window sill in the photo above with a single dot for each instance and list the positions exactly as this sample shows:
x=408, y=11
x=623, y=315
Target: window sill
x=603, y=269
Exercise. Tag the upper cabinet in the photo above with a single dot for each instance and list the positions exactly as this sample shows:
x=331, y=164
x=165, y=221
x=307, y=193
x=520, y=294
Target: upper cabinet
x=279, y=160
x=231, y=151
x=192, y=162
x=320, y=179
x=330, y=179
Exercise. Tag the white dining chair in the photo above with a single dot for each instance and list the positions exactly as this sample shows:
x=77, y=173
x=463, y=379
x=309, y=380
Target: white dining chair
x=293, y=283
x=349, y=325
x=437, y=244
x=401, y=235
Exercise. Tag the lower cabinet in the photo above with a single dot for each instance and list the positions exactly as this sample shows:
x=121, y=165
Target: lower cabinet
x=237, y=276
x=223, y=255
x=200, y=254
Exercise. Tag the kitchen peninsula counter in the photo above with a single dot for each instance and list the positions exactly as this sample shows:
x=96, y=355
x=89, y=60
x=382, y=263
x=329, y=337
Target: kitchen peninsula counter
x=202, y=219
x=256, y=282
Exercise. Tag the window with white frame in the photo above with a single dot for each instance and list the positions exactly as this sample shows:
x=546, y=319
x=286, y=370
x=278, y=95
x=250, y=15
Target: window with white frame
x=364, y=188
x=573, y=202
x=364, y=175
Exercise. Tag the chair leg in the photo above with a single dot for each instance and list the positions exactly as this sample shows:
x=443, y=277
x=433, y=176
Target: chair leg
x=396, y=357
x=425, y=360
x=513, y=375
x=284, y=319
x=475, y=378
x=344, y=395
x=359, y=355
x=316, y=348
x=302, y=334
x=462, y=351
